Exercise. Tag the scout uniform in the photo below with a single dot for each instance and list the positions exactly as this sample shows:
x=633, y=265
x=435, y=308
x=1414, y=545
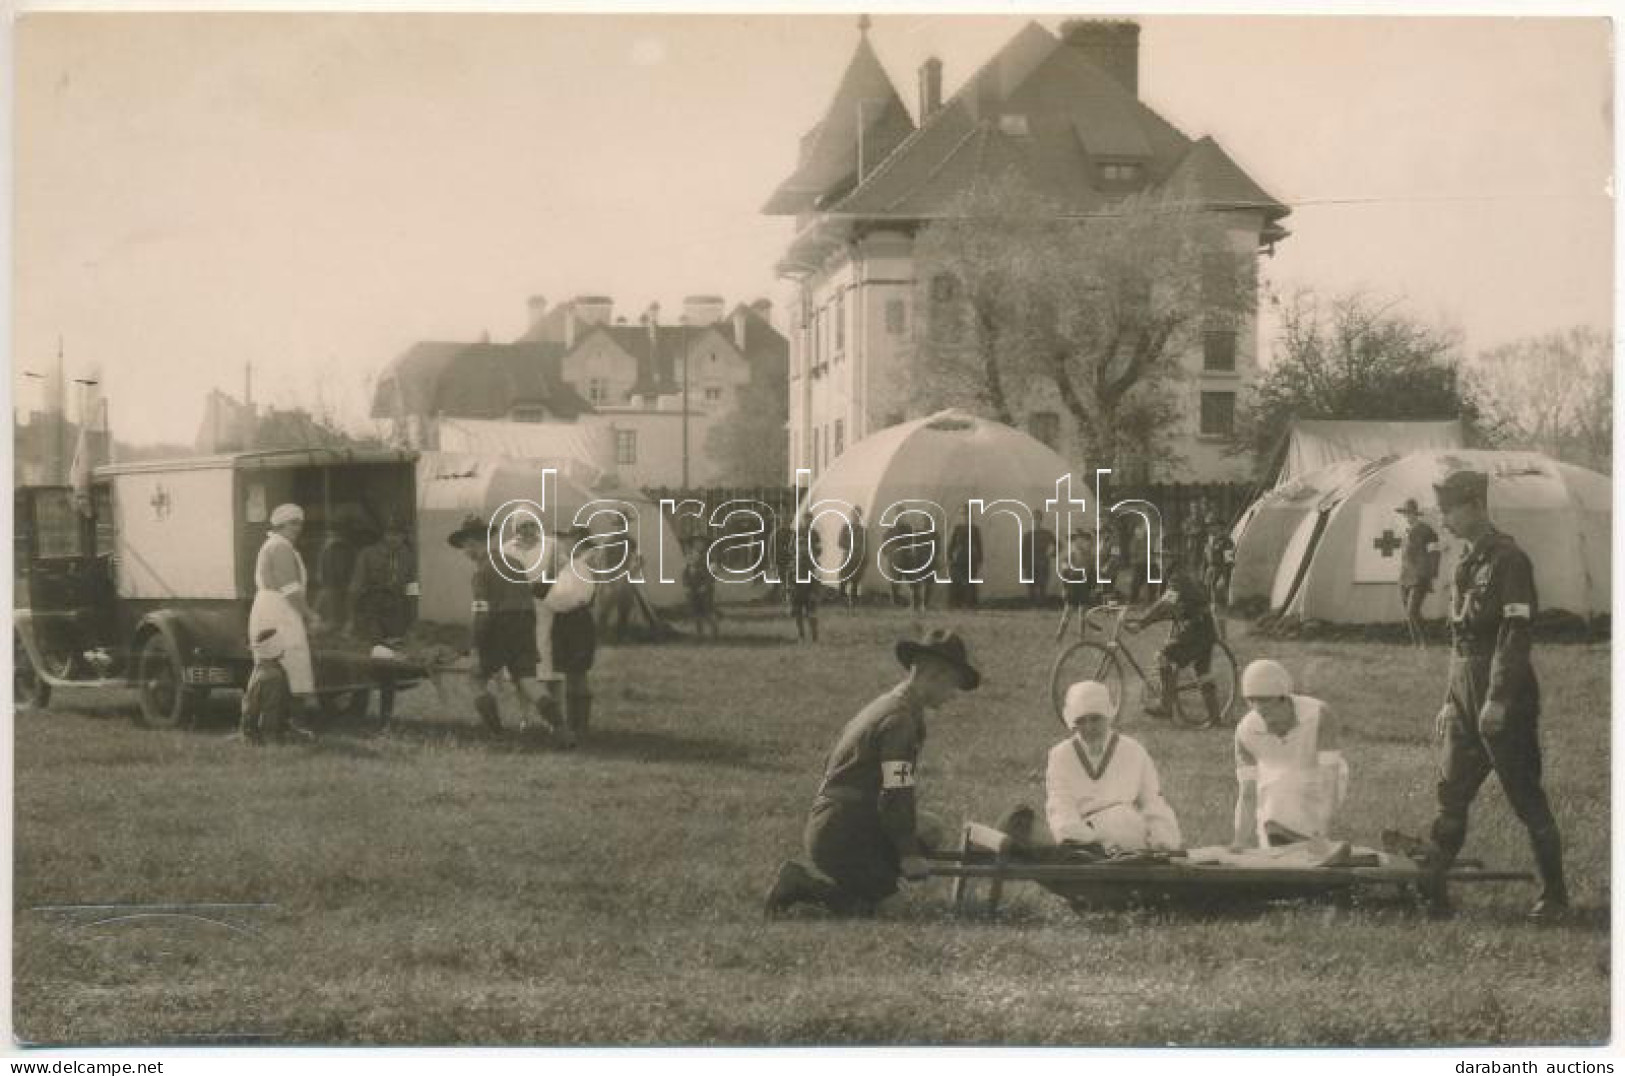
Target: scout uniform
x=863, y=819
x=382, y=586
x=1190, y=643
x=804, y=593
x=267, y=700
x=574, y=641
x=1218, y=558
x=1418, y=566
x=855, y=553
x=701, y=587
x=1490, y=626
x=964, y=563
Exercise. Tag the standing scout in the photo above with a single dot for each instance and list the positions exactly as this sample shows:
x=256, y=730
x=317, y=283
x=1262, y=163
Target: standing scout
x=382, y=596
x=574, y=641
x=1490, y=719
x=504, y=631
x=1418, y=567
x=861, y=834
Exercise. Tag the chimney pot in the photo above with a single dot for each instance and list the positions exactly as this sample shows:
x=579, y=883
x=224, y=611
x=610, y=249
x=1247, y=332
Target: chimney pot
x=930, y=87
x=1113, y=45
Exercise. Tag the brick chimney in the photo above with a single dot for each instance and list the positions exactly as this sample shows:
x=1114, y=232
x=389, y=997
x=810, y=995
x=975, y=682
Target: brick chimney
x=1113, y=45
x=930, y=87
x=703, y=309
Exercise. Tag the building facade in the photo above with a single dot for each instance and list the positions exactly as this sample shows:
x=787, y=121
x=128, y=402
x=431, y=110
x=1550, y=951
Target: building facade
x=642, y=396
x=1063, y=111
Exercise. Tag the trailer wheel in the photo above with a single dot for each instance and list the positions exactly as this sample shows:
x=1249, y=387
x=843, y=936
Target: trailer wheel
x=166, y=701
x=28, y=688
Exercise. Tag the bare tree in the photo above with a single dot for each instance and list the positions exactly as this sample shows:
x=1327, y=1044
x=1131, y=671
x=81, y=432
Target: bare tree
x=1353, y=357
x=973, y=267
x=1554, y=393
x=748, y=444
x=1121, y=297
x=1100, y=306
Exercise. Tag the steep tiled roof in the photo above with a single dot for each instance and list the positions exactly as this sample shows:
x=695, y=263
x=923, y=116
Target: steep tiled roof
x=476, y=381
x=1208, y=170
x=408, y=385
x=866, y=106
x=1042, y=109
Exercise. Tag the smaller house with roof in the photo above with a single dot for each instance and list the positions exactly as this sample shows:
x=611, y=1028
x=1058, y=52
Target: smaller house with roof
x=641, y=397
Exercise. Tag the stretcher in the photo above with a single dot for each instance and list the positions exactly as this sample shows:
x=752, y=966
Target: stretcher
x=1089, y=878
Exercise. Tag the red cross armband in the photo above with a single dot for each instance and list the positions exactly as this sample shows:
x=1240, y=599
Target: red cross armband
x=896, y=775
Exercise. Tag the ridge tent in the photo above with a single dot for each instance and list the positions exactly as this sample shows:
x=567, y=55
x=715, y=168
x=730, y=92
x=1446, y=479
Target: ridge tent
x=1312, y=444
x=453, y=485
x=1342, y=564
x=944, y=461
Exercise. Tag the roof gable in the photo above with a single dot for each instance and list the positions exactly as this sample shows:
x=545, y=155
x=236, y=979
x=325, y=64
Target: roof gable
x=1043, y=109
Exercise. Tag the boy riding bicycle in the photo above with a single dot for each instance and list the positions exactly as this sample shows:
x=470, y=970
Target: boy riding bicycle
x=1194, y=635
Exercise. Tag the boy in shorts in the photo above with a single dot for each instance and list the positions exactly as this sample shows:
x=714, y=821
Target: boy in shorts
x=504, y=632
x=1185, y=602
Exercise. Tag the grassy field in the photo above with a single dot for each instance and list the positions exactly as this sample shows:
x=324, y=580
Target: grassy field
x=435, y=886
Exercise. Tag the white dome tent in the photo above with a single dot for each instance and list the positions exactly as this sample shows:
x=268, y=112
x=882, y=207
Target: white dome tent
x=1265, y=529
x=947, y=460
x=1342, y=565
x=453, y=485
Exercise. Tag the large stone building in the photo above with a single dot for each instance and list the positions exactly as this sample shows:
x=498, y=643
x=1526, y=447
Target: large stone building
x=619, y=387
x=1063, y=112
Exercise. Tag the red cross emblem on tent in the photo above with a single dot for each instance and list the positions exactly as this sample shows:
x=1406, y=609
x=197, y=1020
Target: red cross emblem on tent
x=1386, y=543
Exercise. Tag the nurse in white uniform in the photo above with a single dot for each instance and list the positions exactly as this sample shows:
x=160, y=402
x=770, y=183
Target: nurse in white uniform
x=1290, y=777
x=1101, y=786
x=279, y=598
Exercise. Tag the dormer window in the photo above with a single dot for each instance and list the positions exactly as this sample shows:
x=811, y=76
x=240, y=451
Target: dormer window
x=1120, y=173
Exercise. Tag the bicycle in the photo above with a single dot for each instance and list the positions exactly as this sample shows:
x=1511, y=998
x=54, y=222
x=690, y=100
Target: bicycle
x=1103, y=662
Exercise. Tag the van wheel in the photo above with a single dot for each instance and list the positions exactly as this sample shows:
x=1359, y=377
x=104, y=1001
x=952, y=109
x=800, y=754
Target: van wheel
x=27, y=687
x=166, y=701
x=345, y=705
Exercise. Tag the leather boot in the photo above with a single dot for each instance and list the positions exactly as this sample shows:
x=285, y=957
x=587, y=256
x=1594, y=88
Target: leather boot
x=1210, y=700
x=486, y=707
x=1169, y=679
x=1553, y=902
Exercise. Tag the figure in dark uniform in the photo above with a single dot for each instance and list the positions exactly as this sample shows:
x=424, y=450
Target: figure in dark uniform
x=964, y=562
x=1418, y=568
x=854, y=554
x=802, y=577
x=1041, y=556
x=1191, y=642
x=381, y=607
x=1490, y=719
x=862, y=832
x=1218, y=560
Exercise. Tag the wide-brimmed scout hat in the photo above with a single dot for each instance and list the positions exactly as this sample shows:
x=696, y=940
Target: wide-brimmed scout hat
x=1409, y=508
x=946, y=645
x=471, y=528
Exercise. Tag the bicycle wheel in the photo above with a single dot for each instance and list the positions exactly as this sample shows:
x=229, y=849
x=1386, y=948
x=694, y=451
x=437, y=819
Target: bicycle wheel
x=1086, y=661
x=1191, y=709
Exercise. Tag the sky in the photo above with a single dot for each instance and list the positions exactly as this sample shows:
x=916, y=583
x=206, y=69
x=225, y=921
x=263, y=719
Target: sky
x=312, y=194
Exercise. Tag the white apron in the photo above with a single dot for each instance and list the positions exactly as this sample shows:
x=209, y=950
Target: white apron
x=1300, y=787
x=272, y=609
